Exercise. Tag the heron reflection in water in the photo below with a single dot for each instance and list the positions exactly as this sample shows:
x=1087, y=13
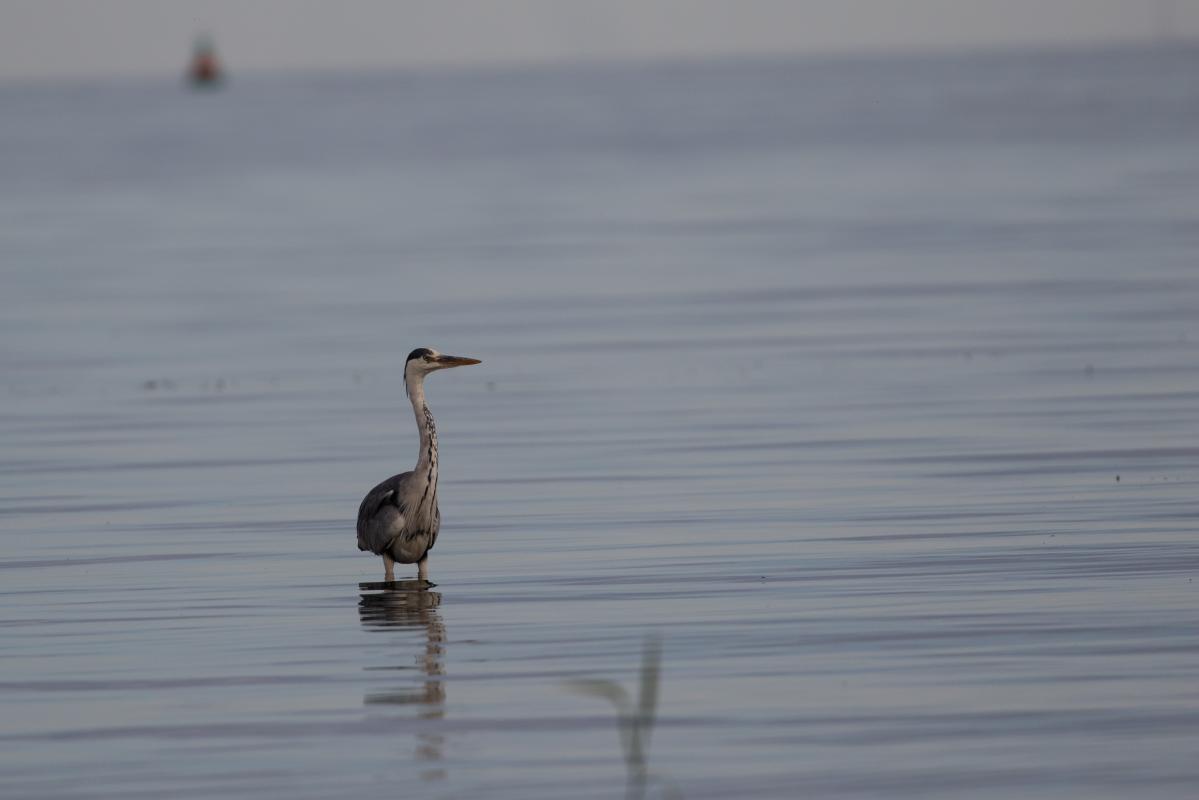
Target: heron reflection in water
x=412, y=605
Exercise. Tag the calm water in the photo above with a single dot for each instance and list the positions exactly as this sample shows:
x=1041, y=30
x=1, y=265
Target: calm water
x=872, y=387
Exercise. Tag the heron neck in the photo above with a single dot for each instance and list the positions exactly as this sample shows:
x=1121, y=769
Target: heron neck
x=427, y=459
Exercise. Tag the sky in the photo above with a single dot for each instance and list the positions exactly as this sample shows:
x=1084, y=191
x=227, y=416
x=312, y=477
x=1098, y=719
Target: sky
x=82, y=38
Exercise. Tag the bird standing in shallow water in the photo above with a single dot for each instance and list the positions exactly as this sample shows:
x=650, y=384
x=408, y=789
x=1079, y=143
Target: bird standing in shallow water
x=398, y=519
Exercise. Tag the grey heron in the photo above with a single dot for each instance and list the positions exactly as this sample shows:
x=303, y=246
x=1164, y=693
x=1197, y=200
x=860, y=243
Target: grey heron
x=399, y=519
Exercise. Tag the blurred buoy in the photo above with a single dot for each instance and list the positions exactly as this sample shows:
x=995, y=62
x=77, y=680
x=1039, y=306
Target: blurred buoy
x=205, y=70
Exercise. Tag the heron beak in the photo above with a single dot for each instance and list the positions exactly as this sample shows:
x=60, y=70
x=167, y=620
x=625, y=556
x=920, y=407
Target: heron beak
x=456, y=361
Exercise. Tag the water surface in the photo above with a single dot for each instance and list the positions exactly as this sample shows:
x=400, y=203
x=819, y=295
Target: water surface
x=870, y=386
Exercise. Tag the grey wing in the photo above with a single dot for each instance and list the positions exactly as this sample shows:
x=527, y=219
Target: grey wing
x=381, y=515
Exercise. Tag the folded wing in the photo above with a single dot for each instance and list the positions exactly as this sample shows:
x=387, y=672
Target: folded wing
x=381, y=515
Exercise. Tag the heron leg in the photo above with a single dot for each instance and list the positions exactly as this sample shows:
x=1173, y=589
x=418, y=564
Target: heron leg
x=388, y=563
x=422, y=568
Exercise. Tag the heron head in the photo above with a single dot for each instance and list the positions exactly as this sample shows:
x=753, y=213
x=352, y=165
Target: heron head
x=422, y=361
